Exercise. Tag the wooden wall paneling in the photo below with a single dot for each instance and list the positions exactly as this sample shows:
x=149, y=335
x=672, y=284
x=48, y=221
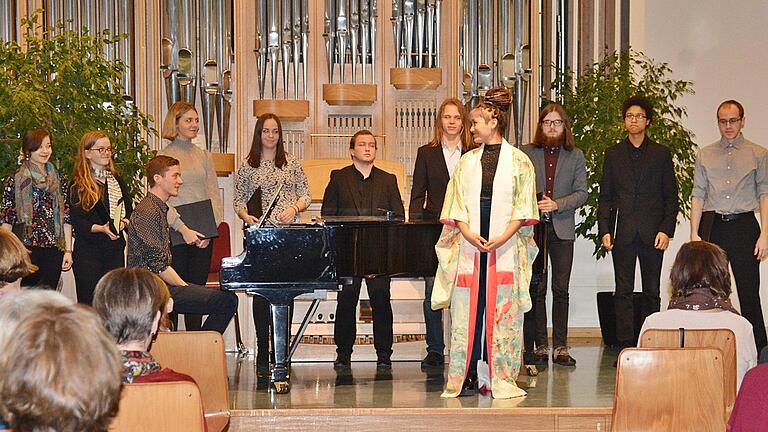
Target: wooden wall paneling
x=586, y=36
x=534, y=98
x=607, y=27
x=546, y=56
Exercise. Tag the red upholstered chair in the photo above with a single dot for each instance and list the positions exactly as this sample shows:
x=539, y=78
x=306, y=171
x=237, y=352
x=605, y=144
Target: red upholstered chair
x=222, y=247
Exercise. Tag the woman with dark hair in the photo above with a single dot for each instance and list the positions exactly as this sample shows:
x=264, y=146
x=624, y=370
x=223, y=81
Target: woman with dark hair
x=701, y=290
x=485, y=253
x=435, y=164
x=100, y=207
x=192, y=260
x=268, y=167
x=36, y=208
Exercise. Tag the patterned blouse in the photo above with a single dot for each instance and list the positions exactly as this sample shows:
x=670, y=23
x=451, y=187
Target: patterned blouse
x=43, y=231
x=269, y=177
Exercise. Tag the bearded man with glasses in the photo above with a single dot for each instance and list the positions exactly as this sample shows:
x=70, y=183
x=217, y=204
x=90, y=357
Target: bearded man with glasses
x=561, y=188
x=730, y=182
x=636, y=214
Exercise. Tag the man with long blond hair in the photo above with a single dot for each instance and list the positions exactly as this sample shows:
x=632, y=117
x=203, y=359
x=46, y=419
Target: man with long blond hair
x=100, y=206
x=435, y=164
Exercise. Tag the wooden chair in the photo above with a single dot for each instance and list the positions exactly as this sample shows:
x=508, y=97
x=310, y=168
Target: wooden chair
x=724, y=339
x=669, y=389
x=318, y=173
x=163, y=406
x=201, y=356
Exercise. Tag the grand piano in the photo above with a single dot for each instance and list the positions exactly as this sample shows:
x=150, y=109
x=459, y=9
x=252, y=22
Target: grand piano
x=281, y=263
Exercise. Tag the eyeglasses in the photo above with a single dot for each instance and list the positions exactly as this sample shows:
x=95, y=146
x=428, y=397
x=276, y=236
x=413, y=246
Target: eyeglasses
x=631, y=117
x=556, y=123
x=102, y=150
x=730, y=121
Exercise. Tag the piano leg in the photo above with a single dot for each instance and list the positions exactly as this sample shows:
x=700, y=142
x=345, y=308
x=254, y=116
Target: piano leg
x=304, y=323
x=280, y=336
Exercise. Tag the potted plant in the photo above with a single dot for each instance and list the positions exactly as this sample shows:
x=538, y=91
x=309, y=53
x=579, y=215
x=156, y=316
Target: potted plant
x=593, y=100
x=64, y=84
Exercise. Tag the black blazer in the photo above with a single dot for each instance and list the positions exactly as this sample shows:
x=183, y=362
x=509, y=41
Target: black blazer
x=339, y=200
x=99, y=215
x=430, y=179
x=646, y=204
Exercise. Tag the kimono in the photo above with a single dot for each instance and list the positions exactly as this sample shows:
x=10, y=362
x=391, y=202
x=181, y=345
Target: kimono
x=508, y=269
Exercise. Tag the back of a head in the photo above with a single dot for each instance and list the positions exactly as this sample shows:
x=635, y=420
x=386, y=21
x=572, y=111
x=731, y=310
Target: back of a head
x=18, y=305
x=700, y=264
x=61, y=372
x=128, y=301
x=14, y=258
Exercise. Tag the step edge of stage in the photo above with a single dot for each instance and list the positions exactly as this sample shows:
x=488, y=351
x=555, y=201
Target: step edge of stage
x=279, y=412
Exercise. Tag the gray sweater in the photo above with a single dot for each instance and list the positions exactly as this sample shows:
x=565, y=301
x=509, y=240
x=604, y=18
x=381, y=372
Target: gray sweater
x=199, y=179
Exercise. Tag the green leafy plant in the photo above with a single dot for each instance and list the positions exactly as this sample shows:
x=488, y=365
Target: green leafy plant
x=64, y=84
x=593, y=100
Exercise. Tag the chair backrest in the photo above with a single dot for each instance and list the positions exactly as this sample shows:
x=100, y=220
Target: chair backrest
x=318, y=173
x=222, y=247
x=724, y=339
x=669, y=389
x=162, y=406
x=201, y=356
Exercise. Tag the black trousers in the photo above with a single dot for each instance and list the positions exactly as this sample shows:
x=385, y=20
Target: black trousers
x=625, y=256
x=91, y=262
x=479, y=346
x=535, y=323
x=738, y=238
x=219, y=305
x=48, y=260
x=345, y=330
x=192, y=264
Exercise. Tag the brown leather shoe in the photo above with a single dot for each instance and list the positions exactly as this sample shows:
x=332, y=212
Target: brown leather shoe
x=562, y=357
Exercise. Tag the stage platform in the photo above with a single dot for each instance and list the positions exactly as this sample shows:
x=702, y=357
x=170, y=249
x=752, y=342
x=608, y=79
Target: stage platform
x=365, y=399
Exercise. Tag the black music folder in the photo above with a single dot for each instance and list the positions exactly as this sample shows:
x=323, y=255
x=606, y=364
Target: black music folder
x=199, y=217
x=253, y=206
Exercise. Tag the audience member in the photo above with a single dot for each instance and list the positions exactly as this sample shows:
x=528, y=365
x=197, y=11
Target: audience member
x=701, y=287
x=61, y=372
x=15, y=263
x=132, y=302
x=750, y=413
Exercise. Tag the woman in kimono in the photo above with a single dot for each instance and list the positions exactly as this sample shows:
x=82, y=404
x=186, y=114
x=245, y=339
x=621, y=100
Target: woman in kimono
x=485, y=252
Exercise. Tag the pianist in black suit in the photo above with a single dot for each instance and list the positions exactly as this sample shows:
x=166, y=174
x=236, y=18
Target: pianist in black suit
x=361, y=189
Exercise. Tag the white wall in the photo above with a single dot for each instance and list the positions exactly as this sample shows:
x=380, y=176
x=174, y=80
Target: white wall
x=723, y=48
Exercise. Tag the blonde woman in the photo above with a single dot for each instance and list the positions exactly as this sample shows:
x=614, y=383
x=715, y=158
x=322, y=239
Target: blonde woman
x=192, y=261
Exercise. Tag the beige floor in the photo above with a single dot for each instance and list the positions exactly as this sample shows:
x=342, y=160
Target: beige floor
x=317, y=385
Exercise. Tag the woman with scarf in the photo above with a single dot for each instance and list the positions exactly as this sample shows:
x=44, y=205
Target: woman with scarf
x=701, y=290
x=485, y=254
x=34, y=206
x=100, y=207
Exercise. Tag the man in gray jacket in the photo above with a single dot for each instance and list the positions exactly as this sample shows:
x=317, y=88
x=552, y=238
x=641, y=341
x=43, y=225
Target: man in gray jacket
x=561, y=186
